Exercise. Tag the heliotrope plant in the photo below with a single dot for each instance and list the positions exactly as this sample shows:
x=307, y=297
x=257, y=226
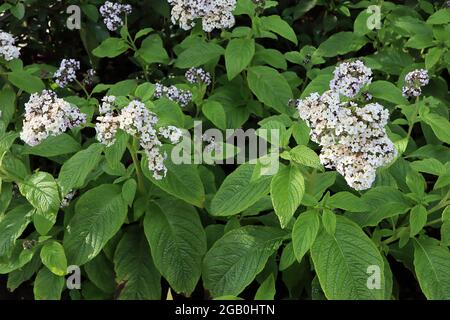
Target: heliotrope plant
x=351, y=200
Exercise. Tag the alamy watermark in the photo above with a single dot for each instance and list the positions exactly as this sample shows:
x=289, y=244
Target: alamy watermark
x=73, y=281
x=73, y=22
x=374, y=279
x=374, y=20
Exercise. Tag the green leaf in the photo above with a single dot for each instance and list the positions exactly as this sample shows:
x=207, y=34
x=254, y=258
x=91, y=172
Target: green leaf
x=18, y=10
x=270, y=87
x=47, y=285
x=145, y=91
x=445, y=228
x=177, y=241
x=383, y=202
x=235, y=259
x=143, y=32
x=238, y=55
x=237, y=193
x=417, y=219
x=420, y=41
x=341, y=261
x=74, y=171
x=430, y=166
x=90, y=11
x=416, y=183
x=99, y=214
x=19, y=276
x=432, y=266
x=304, y=233
x=129, y=191
x=439, y=125
x=385, y=90
x=18, y=258
x=287, y=257
x=320, y=84
x=111, y=48
x=54, y=146
x=340, y=44
x=440, y=17
x=433, y=56
x=54, y=258
x=279, y=26
x=123, y=88
x=329, y=221
x=42, y=192
x=8, y=103
x=300, y=132
x=267, y=289
x=347, y=201
x=199, y=54
x=287, y=189
x=100, y=272
x=152, y=50
x=214, y=111
x=276, y=59
x=11, y=227
x=135, y=269
x=182, y=181
x=360, y=26
x=305, y=156
x=25, y=81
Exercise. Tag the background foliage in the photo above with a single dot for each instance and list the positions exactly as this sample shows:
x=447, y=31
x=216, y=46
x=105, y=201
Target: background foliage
x=217, y=231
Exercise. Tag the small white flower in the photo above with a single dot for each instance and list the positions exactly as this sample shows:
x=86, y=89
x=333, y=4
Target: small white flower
x=112, y=14
x=198, y=75
x=138, y=121
x=353, y=139
x=8, y=49
x=182, y=97
x=172, y=133
x=215, y=14
x=47, y=115
x=67, y=72
x=108, y=104
x=350, y=78
x=414, y=81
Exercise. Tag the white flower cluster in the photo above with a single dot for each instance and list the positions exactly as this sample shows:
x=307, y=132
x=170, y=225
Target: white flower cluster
x=8, y=49
x=47, y=115
x=136, y=120
x=67, y=72
x=353, y=138
x=112, y=14
x=107, y=123
x=183, y=97
x=350, y=77
x=198, y=75
x=414, y=81
x=215, y=14
x=89, y=77
x=171, y=133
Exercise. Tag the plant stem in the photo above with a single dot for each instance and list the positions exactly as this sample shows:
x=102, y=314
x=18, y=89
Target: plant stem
x=140, y=177
x=413, y=120
x=83, y=88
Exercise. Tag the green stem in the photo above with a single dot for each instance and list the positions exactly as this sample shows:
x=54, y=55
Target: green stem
x=413, y=120
x=429, y=224
x=140, y=177
x=83, y=88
